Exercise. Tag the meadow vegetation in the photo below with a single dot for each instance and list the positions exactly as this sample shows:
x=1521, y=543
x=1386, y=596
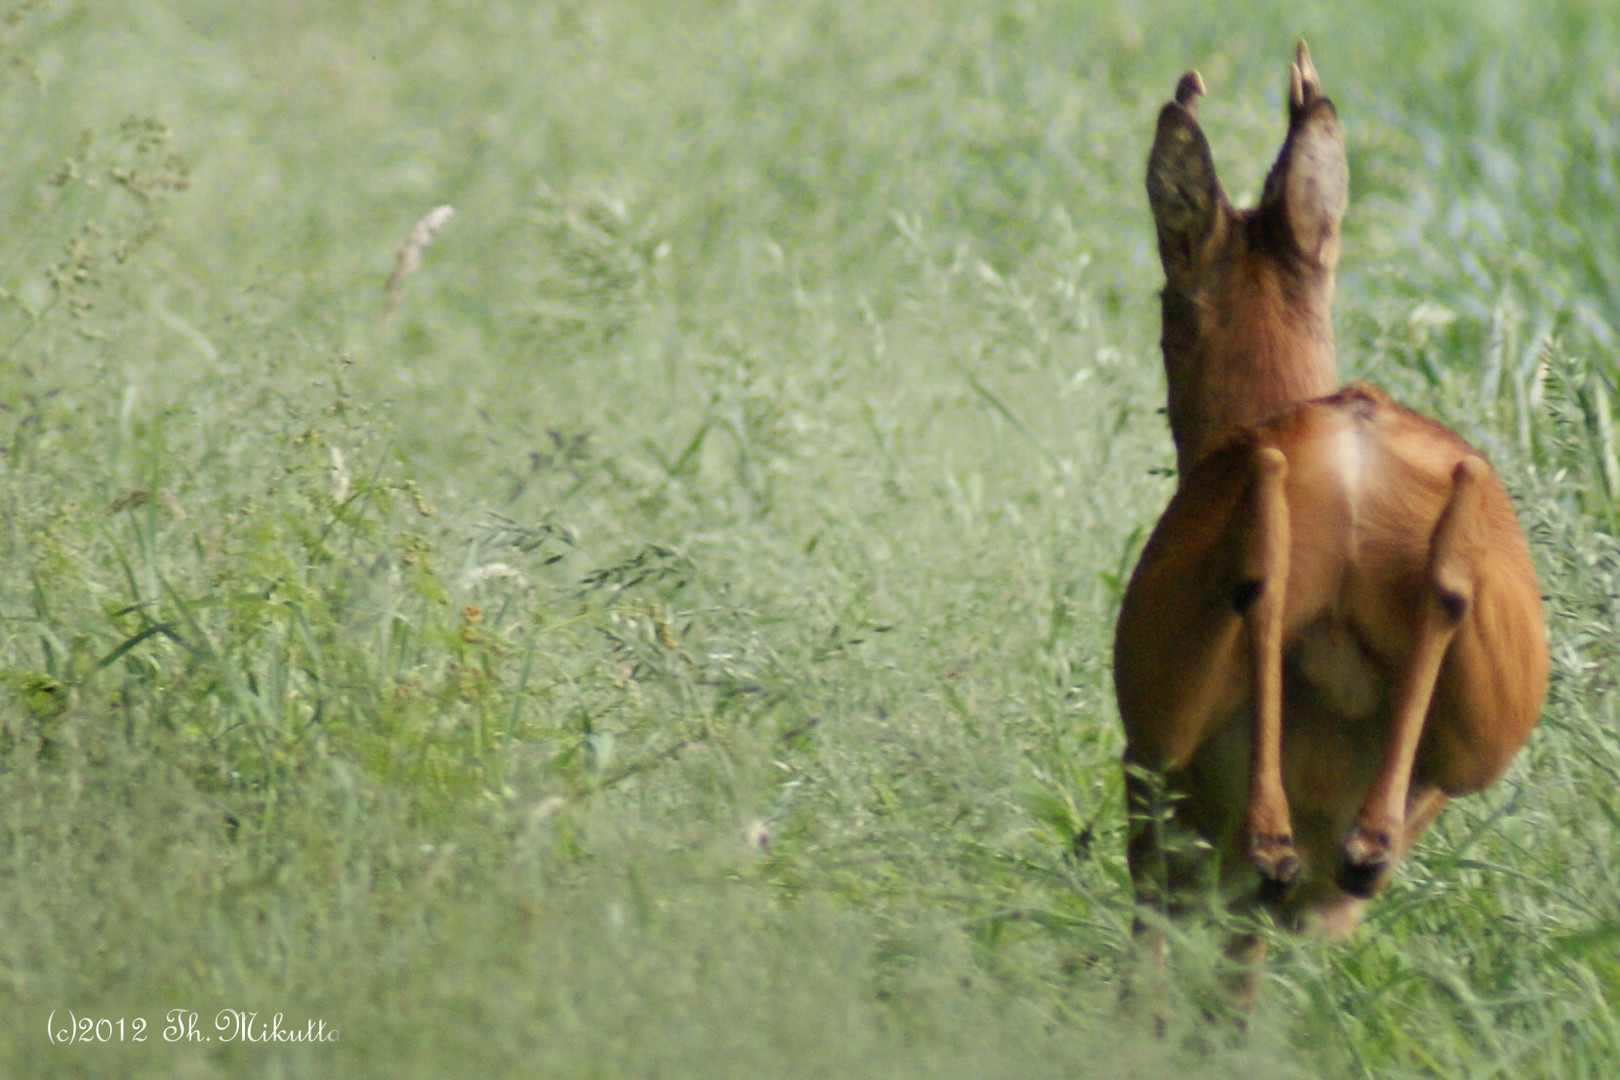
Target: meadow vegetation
x=674, y=641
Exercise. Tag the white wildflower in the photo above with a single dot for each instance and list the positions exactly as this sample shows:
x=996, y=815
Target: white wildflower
x=495, y=571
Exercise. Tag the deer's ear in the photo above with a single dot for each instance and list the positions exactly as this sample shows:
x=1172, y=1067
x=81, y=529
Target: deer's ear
x=1182, y=187
x=1309, y=186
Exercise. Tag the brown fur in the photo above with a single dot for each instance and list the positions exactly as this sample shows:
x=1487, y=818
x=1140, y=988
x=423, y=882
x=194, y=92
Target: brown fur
x=1335, y=625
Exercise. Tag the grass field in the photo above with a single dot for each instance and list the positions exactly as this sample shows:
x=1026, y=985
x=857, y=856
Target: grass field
x=674, y=642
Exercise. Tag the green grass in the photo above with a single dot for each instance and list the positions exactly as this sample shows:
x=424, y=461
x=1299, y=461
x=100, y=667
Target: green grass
x=759, y=452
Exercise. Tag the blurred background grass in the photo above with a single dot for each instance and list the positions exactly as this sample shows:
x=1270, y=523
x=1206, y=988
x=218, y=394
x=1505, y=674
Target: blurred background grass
x=674, y=642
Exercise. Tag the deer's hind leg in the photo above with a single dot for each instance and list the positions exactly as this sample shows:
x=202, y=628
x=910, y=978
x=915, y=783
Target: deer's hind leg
x=1200, y=640
x=1475, y=679
x=1264, y=547
x=1460, y=543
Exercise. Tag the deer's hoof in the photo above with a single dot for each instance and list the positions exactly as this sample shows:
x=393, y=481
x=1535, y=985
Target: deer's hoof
x=1273, y=855
x=1367, y=860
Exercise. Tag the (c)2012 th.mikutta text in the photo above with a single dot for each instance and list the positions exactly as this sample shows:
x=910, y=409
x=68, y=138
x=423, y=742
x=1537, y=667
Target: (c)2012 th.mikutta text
x=182, y=1025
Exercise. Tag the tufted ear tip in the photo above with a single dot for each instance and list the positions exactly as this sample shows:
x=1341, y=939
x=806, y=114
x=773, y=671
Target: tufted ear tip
x=1304, y=83
x=1188, y=90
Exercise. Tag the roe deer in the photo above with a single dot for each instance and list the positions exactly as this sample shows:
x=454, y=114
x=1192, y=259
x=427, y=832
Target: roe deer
x=1335, y=625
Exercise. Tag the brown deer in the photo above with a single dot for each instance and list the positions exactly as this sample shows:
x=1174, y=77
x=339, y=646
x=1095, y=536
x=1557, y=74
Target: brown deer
x=1335, y=626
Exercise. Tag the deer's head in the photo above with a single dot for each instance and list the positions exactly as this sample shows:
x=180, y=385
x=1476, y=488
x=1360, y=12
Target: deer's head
x=1248, y=293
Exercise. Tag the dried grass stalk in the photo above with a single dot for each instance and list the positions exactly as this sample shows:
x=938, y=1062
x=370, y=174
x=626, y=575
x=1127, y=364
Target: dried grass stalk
x=410, y=254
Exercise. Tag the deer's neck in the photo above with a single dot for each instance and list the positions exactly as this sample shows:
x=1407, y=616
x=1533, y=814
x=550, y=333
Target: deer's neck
x=1231, y=364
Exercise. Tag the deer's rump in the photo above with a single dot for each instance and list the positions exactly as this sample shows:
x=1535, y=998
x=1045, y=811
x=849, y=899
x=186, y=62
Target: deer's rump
x=1366, y=485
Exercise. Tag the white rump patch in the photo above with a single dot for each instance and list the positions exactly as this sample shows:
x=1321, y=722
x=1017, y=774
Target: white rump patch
x=1350, y=454
x=1350, y=459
